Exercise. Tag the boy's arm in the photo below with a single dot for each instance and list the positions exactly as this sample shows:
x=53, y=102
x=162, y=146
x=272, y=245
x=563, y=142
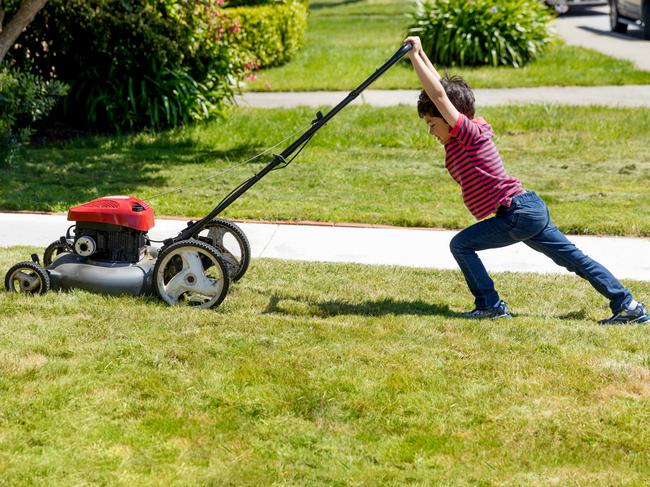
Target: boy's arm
x=430, y=80
x=426, y=60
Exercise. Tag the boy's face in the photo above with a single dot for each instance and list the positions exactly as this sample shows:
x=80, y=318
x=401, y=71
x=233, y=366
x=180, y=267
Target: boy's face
x=438, y=128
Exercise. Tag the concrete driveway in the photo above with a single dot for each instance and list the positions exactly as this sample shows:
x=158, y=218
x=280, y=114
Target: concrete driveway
x=589, y=27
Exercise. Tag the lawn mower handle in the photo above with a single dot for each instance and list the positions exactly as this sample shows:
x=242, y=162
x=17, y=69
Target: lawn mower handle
x=195, y=227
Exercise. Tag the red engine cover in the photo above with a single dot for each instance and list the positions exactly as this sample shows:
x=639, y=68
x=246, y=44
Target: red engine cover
x=125, y=211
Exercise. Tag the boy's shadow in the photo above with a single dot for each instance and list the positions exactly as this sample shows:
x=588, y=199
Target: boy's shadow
x=303, y=305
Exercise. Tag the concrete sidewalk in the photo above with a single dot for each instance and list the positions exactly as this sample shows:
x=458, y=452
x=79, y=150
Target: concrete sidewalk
x=627, y=258
x=614, y=96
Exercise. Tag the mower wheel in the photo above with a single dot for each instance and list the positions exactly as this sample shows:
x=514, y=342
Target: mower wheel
x=27, y=277
x=192, y=273
x=231, y=242
x=54, y=250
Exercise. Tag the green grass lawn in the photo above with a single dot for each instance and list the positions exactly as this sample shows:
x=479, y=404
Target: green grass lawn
x=368, y=165
x=316, y=374
x=346, y=41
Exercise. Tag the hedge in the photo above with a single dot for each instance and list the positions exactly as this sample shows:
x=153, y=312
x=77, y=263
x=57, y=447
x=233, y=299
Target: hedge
x=272, y=34
x=255, y=3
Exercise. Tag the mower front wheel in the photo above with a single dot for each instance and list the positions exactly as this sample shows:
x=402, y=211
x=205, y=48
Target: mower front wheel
x=27, y=277
x=192, y=273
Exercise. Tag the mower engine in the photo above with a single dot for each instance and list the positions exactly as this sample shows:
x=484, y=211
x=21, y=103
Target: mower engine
x=109, y=252
x=112, y=228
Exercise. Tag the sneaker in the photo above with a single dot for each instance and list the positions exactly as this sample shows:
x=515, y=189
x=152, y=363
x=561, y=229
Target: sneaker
x=500, y=311
x=628, y=316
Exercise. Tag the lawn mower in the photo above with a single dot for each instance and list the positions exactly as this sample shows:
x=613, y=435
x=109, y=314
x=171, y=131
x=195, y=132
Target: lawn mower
x=108, y=250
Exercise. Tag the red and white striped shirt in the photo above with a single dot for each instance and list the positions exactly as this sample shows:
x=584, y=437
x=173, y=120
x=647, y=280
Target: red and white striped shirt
x=473, y=161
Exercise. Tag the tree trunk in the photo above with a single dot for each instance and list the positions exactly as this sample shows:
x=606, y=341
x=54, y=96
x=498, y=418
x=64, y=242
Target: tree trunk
x=17, y=24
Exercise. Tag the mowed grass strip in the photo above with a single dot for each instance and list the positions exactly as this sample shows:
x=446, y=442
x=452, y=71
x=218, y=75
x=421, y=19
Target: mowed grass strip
x=368, y=165
x=317, y=374
x=347, y=41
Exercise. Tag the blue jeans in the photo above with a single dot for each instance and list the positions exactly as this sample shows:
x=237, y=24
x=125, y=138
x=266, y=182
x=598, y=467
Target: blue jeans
x=528, y=220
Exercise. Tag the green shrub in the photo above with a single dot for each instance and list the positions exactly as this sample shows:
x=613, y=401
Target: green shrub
x=135, y=63
x=24, y=99
x=253, y=3
x=250, y=3
x=482, y=32
x=272, y=34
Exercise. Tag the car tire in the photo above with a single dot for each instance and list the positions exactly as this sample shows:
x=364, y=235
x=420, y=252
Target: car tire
x=614, y=20
x=646, y=21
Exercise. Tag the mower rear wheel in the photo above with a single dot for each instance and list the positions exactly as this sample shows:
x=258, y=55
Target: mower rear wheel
x=192, y=273
x=54, y=250
x=231, y=242
x=27, y=277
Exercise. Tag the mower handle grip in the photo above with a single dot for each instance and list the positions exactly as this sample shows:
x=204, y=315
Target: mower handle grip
x=406, y=47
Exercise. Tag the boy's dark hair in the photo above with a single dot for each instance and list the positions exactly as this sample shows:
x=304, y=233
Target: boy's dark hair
x=459, y=94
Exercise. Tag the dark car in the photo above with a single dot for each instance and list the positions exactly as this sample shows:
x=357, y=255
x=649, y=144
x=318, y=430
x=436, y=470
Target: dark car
x=630, y=12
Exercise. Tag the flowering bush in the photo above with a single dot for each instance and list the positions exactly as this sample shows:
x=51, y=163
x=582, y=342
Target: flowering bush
x=482, y=32
x=136, y=63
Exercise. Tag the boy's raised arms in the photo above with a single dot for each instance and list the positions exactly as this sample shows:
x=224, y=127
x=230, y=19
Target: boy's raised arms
x=430, y=80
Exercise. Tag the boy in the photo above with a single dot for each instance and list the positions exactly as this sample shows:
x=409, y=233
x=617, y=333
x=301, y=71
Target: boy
x=447, y=107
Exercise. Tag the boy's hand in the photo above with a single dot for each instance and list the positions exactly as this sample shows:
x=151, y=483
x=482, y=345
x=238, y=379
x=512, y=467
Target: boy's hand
x=416, y=43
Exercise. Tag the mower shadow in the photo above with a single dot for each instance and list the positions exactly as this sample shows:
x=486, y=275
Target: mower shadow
x=53, y=177
x=297, y=305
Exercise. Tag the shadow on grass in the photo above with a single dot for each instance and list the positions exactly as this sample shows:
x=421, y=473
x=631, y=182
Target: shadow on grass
x=51, y=178
x=574, y=315
x=297, y=305
x=305, y=306
x=322, y=5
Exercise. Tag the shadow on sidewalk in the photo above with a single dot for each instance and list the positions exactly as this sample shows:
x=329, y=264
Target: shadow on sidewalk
x=632, y=35
x=584, y=11
x=300, y=305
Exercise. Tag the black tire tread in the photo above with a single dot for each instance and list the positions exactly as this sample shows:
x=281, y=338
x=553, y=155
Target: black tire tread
x=615, y=25
x=42, y=274
x=241, y=236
